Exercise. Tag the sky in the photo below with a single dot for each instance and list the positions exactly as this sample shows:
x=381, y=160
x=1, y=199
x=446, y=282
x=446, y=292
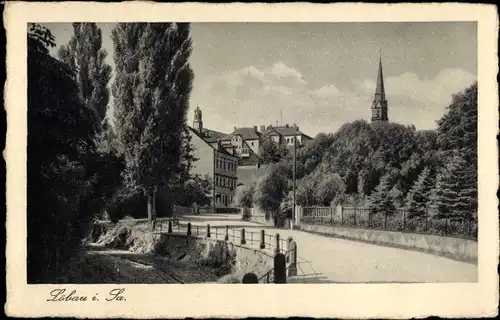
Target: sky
x=321, y=75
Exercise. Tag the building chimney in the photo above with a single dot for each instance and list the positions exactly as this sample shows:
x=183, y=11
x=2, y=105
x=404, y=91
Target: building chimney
x=262, y=128
x=255, y=128
x=286, y=125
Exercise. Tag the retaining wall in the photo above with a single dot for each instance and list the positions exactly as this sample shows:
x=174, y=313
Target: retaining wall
x=454, y=248
x=239, y=258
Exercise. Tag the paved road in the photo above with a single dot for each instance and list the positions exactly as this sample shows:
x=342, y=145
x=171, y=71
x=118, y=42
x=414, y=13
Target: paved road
x=330, y=260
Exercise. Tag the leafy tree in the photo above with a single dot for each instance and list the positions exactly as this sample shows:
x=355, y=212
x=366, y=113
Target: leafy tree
x=419, y=195
x=85, y=55
x=244, y=195
x=196, y=190
x=271, y=151
x=329, y=188
x=151, y=95
x=62, y=177
x=40, y=39
x=455, y=193
x=305, y=191
x=270, y=190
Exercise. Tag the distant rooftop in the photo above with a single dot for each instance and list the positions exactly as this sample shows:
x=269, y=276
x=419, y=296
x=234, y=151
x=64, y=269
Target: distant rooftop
x=247, y=133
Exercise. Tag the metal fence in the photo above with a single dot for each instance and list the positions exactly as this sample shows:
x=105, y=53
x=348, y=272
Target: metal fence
x=398, y=220
x=237, y=235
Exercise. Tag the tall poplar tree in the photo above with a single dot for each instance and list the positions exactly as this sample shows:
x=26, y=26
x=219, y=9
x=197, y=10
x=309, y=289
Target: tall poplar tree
x=86, y=57
x=151, y=95
x=84, y=54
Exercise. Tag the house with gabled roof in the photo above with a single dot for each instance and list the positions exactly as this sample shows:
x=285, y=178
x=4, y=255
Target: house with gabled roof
x=215, y=159
x=244, y=143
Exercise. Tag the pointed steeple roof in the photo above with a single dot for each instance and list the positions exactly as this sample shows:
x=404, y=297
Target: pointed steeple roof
x=380, y=79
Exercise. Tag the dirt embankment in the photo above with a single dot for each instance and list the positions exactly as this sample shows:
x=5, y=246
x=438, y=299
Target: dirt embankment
x=127, y=253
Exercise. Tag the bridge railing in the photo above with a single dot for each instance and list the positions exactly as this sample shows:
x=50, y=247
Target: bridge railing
x=272, y=243
x=398, y=220
x=237, y=235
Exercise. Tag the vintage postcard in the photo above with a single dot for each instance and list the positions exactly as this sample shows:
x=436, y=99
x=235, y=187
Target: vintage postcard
x=243, y=160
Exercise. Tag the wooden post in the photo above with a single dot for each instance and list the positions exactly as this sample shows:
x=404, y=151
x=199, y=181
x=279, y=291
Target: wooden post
x=331, y=215
x=243, y=241
x=169, y=226
x=189, y=229
x=342, y=217
x=279, y=268
x=208, y=231
x=288, y=247
x=292, y=270
x=294, y=177
x=355, y=223
x=227, y=234
x=277, y=243
x=197, y=230
x=262, y=239
x=404, y=220
x=470, y=223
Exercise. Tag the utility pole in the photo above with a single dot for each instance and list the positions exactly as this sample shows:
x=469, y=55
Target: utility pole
x=294, y=177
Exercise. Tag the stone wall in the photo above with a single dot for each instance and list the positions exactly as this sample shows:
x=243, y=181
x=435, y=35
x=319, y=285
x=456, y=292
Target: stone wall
x=239, y=258
x=455, y=248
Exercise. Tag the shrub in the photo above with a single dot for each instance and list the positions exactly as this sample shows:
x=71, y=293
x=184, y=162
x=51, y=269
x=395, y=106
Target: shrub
x=244, y=195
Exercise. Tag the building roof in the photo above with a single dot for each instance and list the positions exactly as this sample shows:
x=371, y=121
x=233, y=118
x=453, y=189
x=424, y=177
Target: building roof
x=213, y=135
x=284, y=131
x=247, y=133
x=253, y=159
x=208, y=142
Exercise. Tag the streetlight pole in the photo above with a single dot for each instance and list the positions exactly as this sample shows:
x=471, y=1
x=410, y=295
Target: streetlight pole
x=294, y=178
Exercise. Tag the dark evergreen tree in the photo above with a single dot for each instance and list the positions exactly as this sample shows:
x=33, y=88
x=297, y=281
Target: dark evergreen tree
x=454, y=194
x=419, y=195
x=380, y=200
x=457, y=129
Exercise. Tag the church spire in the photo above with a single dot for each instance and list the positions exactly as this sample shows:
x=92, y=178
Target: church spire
x=380, y=78
x=379, y=105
